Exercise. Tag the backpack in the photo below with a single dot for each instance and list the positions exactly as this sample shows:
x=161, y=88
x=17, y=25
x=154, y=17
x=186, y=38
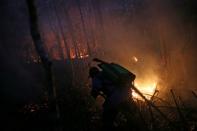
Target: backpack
x=117, y=74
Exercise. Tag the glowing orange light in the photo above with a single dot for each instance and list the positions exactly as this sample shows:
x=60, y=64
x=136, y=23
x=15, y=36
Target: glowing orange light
x=147, y=88
x=134, y=59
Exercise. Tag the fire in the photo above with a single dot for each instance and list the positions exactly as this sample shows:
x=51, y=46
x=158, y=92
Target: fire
x=81, y=54
x=146, y=87
x=146, y=80
x=84, y=56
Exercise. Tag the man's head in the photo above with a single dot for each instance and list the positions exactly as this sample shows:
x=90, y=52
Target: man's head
x=93, y=71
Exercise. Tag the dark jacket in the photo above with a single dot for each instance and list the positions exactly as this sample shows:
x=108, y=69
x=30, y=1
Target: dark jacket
x=114, y=95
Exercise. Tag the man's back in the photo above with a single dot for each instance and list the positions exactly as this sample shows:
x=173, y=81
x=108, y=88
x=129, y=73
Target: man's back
x=114, y=94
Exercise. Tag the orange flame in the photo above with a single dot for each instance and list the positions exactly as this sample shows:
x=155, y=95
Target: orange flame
x=146, y=87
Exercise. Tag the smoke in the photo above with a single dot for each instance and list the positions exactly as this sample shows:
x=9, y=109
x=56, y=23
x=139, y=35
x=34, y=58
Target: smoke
x=155, y=33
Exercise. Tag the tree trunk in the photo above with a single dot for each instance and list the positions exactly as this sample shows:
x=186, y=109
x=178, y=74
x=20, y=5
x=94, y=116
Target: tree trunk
x=83, y=25
x=47, y=64
x=70, y=28
x=61, y=30
x=58, y=39
x=99, y=23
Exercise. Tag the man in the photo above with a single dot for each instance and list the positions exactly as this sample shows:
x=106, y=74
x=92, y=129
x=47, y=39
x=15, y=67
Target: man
x=115, y=96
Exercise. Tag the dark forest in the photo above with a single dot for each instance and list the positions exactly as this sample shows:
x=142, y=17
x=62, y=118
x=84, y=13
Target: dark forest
x=47, y=48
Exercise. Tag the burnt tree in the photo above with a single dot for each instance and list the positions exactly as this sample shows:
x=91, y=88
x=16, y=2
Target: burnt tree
x=46, y=62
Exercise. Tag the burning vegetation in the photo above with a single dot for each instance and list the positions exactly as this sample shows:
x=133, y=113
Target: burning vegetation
x=148, y=89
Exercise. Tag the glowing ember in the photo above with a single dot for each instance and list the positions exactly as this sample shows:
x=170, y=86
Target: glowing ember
x=135, y=59
x=147, y=88
x=81, y=55
x=84, y=56
x=31, y=108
